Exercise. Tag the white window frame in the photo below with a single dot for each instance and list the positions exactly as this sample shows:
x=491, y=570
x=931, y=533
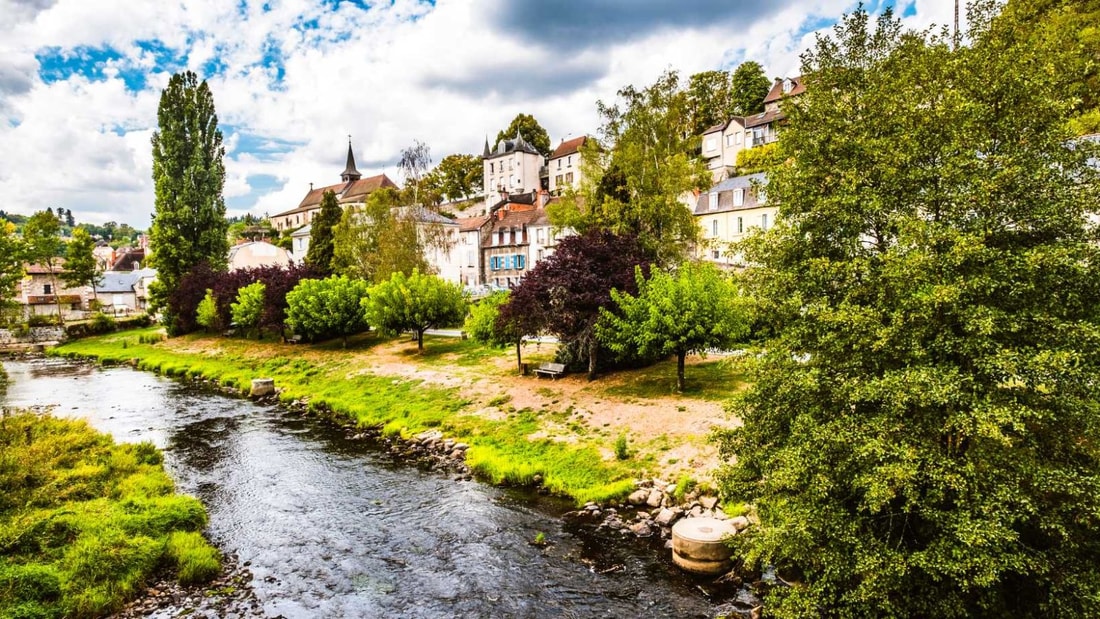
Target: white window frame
x=739, y=197
x=712, y=201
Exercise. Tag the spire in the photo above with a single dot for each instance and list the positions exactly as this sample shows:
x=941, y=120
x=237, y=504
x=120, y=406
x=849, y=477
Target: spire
x=486, y=145
x=350, y=173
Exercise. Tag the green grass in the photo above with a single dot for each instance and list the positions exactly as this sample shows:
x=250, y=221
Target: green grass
x=710, y=380
x=500, y=450
x=84, y=523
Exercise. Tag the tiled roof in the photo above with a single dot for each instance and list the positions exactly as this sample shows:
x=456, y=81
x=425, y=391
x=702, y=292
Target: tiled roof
x=763, y=118
x=40, y=269
x=511, y=219
x=569, y=147
x=353, y=191
x=776, y=93
x=516, y=144
x=725, y=189
x=469, y=224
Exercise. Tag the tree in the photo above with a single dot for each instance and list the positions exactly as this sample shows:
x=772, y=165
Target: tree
x=920, y=435
x=207, y=312
x=189, y=224
x=708, y=100
x=320, y=253
x=323, y=308
x=81, y=267
x=563, y=294
x=489, y=325
x=748, y=87
x=415, y=303
x=687, y=312
x=249, y=308
x=377, y=240
x=414, y=164
x=457, y=177
x=647, y=139
x=11, y=262
x=69, y=221
x=42, y=246
x=530, y=130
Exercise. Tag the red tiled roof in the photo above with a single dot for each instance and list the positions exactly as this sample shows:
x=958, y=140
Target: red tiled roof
x=38, y=269
x=353, y=191
x=568, y=147
x=469, y=224
x=776, y=93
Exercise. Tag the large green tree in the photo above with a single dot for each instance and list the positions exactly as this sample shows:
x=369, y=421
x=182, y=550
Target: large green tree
x=687, y=312
x=42, y=245
x=457, y=177
x=417, y=302
x=322, y=232
x=11, y=262
x=748, y=87
x=922, y=433
x=189, y=223
x=81, y=266
x=646, y=145
x=708, y=100
x=530, y=130
x=378, y=239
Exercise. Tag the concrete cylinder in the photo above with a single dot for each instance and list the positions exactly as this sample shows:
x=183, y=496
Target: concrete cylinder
x=262, y=387
x=698, y=545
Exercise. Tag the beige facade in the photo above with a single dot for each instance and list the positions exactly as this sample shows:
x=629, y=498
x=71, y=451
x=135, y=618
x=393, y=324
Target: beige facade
x=510, y=168
x=39, y=293
x=728, y=213
x=564, y=168
x=721, y=144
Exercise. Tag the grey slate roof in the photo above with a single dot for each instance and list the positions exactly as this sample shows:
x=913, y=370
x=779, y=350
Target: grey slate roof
x=119, y=281
x=725, y=189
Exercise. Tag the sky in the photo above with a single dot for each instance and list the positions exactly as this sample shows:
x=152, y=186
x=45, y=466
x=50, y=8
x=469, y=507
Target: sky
x=292, y=79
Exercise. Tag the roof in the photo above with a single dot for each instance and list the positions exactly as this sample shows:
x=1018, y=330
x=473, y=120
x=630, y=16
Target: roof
x=763, y=118
x=257, y=254
x=40, y=269
x=350, y=173
x=568, y=147
x=351, y=191
x=305, y=230
x=428, y=216
x=469, y=224
x=722, y=126
x=776, y=93
x=725, y=189
x=515, y=145
x=129, y=259
x=513, y=219
x=119, y=281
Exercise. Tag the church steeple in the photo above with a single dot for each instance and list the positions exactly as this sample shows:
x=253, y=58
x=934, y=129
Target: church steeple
x=486, y=155
x=350, y=173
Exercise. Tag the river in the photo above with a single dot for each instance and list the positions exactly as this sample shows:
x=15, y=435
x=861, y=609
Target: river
x=336, y=527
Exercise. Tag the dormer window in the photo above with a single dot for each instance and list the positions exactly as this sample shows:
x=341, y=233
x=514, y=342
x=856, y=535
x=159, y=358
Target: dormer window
x=714, y=200
x=787, y=85
x=738, y=197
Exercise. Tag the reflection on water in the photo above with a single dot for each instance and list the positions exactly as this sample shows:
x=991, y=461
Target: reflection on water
x=336, y=528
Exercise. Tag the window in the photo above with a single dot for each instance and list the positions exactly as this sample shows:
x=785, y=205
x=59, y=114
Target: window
x=713, y=201
x=714, y=227
x=470, y=258
x=47, y=289
x=738, y=197
x=557, y=180
x=538, y=256
x=740, y=225
x=569, y=162
x=738, y=136
x=716, y=254
x=559, y=164
x=569, y=178
x=761, y=195
x=710, y=145
x=500, y=237
x=786, y=85
x=730, y=139
x=541, y=235
x=521, y=261
x=764, y=221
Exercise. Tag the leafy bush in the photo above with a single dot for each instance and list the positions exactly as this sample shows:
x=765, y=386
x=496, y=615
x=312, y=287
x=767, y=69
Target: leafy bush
x=416, y=303
x=622, y=448
x=207, y=312
x=102, y=323
x=249, y=307
x=323, y=308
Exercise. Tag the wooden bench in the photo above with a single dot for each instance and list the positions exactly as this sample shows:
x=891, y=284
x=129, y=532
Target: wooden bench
x=294, y=339
x=553, y=370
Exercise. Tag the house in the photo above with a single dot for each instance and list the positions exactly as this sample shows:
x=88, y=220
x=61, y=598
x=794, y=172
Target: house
x=763, y=128
x=104, y=255
x=299, y=243
x=513, y=167
x=469, y=250
x=729, y=212
x=564, y=167
x=721, y=145
x=352, y=189
x=121, y=292
x=40, y=291
x=128, y=259
x=252, y=254
x=439, y=236
x=515, y=236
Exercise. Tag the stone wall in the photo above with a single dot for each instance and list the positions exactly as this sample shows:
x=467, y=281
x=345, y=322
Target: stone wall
x=34, y=335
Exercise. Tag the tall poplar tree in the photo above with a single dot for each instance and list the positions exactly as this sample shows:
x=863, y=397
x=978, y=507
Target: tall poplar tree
x=80, y=263
x=322, y=229
x=189, y=223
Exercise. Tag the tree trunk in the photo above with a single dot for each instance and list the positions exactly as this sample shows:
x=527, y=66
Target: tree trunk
x=680, y=371
x=345, y=340
x=593, y=346
x=420, y=341
x=519, y=359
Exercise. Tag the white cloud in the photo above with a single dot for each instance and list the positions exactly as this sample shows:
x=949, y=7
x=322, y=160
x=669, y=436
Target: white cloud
x=446, y=75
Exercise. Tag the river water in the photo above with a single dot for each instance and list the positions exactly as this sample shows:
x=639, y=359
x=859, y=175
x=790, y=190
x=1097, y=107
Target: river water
x=335, y=527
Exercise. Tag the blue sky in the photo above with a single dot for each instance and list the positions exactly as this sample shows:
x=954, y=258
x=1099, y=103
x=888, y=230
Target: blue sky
x=80, y=80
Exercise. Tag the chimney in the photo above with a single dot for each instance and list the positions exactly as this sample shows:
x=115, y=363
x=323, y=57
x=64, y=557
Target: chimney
x=311, y=186
x=503, y=194
x=544, y=197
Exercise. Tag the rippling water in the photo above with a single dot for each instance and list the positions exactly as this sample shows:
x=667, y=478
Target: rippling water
x=336, y=528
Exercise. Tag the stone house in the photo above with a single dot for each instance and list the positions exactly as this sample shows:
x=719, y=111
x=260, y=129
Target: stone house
x=564, y=167
x=40, y=291
x=469, y=250
x=121, y=292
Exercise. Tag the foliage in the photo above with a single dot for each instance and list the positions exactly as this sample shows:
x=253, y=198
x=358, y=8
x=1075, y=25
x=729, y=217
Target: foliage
x=708, y=100
x=457, y=177
x=758, y=159
x=224, y=287
x=647, y=140
x=687, y=312
x=563, y=294
x=189, y=224
x=748, y=85
x=321, y=233
x=378, y=240
x=414, y=164
x=490, y=323
x=206, y=314
x=323, y=308
x=622, y=448
x=42, y=246
x=249, y=307
x=81, y=268
x=102, y=323
x=530, y=130
x=196, y=560
x=11, y=262
x=84, y=523
x=416, y=303
x=920, y=438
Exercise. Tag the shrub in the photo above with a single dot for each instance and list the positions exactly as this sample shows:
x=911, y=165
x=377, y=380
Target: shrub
x=249, y=307
x=322, y=308
x=102, y=323
x=622, y=450
x=207, y=313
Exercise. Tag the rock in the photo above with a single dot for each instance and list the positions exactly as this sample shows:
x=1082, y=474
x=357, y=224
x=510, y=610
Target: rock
x=464, y=447
x=740, y=523
x=638, y=497
x=655, y=497
x=641, y=529
x=720, y=515
x=665, y=518
x=696, y=511
x=708, y=502
x=262, y=387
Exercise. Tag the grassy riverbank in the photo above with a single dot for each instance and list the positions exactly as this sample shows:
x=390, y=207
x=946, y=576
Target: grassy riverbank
x=519, y=430
x=84, y=523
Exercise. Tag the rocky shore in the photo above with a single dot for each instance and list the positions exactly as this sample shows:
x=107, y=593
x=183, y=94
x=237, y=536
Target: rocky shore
x=229, y=596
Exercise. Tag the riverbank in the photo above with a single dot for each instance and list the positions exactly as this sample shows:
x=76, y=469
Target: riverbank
x=589, y=441
x=85, y=523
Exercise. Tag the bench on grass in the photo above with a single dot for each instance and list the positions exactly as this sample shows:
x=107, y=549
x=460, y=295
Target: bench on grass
x=553, y=370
